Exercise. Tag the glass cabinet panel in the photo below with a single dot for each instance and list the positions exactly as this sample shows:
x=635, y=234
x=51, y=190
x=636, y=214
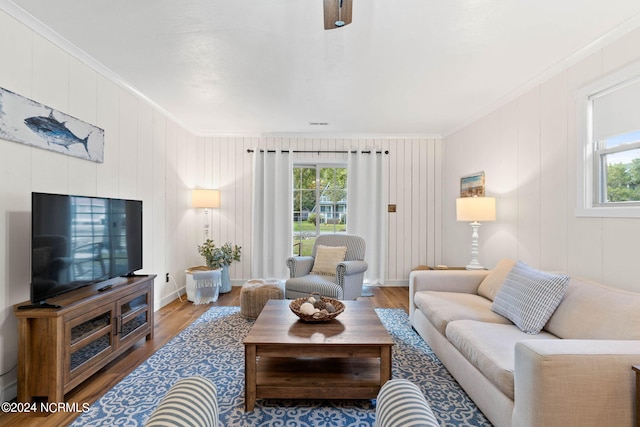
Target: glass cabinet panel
x=88, y=351
x=89, y=336
x=134, y=314
x=85, y=329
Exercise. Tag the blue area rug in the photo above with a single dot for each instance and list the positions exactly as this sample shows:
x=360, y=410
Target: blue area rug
x=212, y=347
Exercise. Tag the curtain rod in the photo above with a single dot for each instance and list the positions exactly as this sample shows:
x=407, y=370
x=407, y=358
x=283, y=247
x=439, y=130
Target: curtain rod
x=249, y=150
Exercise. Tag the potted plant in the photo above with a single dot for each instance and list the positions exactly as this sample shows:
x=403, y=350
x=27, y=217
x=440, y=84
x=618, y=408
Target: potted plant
x=220, y=257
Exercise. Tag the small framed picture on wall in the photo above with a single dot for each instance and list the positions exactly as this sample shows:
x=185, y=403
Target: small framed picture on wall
x=472, y=185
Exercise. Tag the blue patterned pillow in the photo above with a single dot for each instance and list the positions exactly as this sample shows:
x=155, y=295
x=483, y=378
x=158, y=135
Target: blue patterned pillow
x=529, y=297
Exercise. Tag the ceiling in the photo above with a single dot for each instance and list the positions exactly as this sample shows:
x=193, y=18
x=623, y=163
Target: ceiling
x=403, y=67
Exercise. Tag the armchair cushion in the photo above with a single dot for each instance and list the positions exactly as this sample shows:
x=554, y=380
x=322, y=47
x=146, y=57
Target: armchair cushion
x=327, y=257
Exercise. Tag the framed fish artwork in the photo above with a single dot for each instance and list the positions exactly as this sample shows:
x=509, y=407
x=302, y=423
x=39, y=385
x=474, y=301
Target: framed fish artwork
x=29, y=122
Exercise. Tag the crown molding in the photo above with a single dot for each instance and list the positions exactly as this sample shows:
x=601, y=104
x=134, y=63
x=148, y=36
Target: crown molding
x=49, y=34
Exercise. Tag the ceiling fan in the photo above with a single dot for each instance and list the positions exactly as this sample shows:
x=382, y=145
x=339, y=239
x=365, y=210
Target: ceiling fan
x=337, y=13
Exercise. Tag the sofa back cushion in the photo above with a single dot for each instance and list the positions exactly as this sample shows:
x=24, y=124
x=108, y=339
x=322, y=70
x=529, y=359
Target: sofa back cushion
x=494, y=280
x=593, y=311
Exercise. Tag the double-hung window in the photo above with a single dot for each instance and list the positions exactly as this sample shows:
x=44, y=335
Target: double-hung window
x=609, y=141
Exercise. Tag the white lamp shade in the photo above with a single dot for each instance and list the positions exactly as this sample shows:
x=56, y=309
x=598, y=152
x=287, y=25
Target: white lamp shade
x=476, y=209
x=205, y=198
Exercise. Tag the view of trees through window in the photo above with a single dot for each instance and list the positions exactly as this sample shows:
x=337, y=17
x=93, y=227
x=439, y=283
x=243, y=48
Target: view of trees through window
x=621, y=158
x=319, y=204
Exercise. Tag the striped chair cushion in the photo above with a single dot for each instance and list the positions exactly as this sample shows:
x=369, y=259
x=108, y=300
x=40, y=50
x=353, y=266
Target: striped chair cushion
x=401, y=403
x=189, y=402
x=301, y=287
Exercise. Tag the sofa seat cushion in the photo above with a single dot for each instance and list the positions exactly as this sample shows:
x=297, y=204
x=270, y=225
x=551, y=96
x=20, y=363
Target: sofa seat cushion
x=443, y=307
x=490, y=347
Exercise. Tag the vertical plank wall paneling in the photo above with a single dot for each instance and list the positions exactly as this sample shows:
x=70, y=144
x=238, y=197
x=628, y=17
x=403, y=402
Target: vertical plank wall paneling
x=414, y=185
x=143, y=159
x=148, y=156
x=529, y=150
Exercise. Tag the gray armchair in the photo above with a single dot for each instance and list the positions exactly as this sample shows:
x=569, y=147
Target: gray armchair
x=347, y=282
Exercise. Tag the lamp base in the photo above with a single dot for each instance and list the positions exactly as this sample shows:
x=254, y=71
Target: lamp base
x=475, y=266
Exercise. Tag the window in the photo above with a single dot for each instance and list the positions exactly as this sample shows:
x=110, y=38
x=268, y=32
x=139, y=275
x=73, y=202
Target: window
x=319, y=203
x=609, y=140
x=618, y=168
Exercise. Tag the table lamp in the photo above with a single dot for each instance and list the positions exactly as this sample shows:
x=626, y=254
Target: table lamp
x=475, y=209
x=205, y=199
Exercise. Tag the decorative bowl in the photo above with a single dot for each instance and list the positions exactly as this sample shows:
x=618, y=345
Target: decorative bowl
x=320, y=316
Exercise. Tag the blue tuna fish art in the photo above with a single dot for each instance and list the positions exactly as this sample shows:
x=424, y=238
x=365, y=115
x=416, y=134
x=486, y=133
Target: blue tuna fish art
x=54, y=132
x=29, y=122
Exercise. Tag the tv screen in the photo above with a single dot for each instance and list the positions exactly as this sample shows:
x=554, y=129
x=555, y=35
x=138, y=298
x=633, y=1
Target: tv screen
x=79, y=240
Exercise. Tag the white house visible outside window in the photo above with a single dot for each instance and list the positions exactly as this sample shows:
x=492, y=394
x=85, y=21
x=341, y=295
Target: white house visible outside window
x=609, y=141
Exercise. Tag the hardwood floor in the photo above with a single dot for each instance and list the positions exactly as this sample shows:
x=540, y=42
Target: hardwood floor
x=169, y=321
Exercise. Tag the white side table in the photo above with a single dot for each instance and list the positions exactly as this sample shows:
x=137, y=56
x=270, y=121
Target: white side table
x=202, y=296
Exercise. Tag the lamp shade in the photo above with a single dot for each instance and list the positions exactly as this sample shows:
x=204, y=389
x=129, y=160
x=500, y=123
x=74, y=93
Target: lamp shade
x=476, y=209
x=205, y=198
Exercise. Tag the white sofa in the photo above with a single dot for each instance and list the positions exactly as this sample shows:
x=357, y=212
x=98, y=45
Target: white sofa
x=576, y=372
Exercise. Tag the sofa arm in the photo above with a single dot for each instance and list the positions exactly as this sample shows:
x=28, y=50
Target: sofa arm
x=465, y=281
x=299, y=265
x=560, y=383
x=190, y=401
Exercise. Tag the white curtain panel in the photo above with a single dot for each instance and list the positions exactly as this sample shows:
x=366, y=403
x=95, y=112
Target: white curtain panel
x=272, y=231
x=367, y=195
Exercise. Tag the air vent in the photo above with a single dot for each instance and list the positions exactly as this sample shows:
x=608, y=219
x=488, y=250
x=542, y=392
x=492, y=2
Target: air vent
x=319, y=123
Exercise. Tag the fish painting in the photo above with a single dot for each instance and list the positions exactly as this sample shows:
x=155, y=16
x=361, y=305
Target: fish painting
x=31, y=123
x=54, y=131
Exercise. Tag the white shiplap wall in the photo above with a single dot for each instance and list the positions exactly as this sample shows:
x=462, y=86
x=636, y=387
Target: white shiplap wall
x=414, y=186
x=149, y=156
x=528, y=149
x=144, y=159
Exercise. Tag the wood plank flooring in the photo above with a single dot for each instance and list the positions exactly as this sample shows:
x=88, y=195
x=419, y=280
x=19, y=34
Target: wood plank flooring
x=169, y=321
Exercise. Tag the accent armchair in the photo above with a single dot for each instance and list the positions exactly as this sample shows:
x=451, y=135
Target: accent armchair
x=345, y=284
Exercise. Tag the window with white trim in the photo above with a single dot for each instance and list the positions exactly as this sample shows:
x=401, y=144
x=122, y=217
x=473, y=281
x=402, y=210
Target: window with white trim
x=609, y=141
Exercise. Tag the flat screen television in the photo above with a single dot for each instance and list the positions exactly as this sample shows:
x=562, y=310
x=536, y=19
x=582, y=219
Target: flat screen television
x=78, y=241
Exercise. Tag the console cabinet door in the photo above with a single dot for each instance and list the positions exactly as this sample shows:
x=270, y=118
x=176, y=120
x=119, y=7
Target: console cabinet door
x=133, y=317
x=90, y=338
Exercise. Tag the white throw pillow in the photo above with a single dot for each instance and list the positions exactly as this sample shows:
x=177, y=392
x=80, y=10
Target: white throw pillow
x=327, y=257
x=529, y=297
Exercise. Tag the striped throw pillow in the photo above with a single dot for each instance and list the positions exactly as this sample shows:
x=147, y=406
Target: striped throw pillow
x=529, y=297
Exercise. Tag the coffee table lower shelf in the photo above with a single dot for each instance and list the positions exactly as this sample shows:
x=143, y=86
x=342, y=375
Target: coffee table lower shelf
x=312, y=378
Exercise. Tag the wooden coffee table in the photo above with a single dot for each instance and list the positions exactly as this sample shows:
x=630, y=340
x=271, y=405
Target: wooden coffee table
x=345, y=358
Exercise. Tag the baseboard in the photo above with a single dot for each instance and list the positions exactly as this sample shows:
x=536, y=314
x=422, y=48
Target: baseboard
x=9, y=391
x=395, y=283
x=387, y=283
x=171, y=297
